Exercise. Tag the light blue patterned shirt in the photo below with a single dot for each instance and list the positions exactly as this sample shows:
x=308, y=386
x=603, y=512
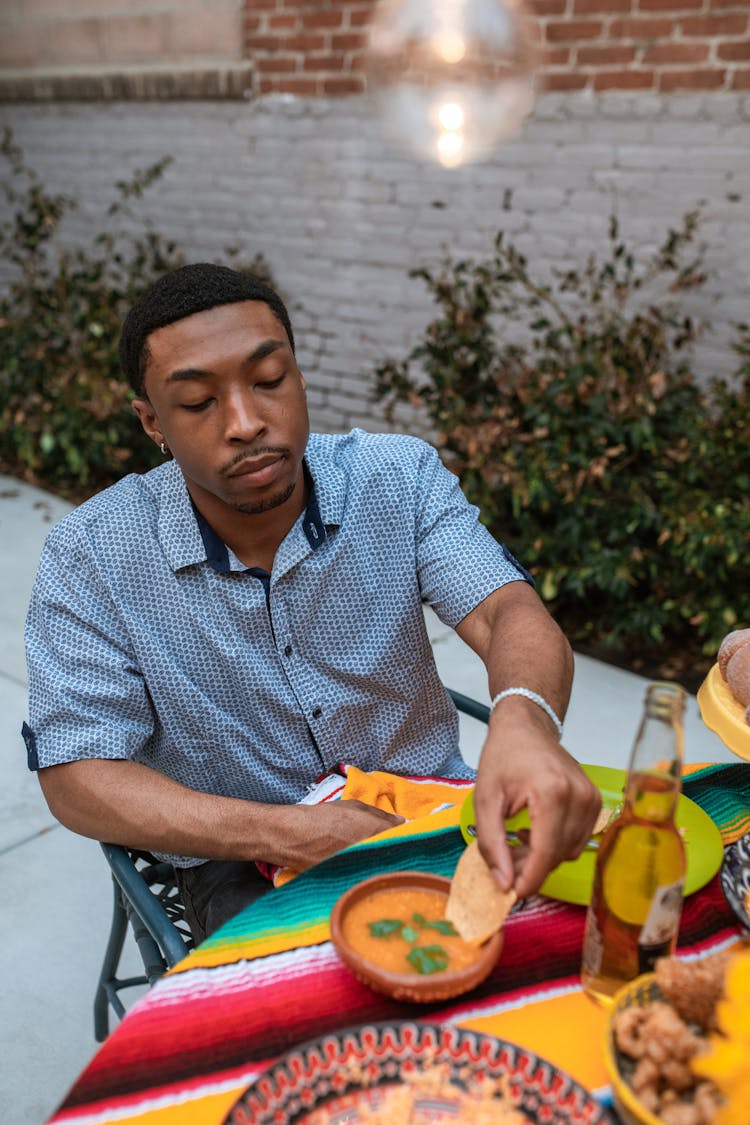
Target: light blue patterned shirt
x=147, y=639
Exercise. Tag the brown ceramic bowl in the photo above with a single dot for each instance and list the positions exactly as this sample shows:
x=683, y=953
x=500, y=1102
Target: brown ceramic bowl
x=411, y=987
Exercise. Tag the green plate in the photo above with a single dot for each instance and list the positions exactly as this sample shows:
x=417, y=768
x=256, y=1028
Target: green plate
x=572, y=881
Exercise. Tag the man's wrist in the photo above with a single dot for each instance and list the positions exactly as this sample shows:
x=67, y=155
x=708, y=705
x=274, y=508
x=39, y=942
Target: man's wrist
x=513, y=695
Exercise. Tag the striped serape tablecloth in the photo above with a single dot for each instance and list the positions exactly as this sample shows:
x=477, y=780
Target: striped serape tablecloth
x=270, y=979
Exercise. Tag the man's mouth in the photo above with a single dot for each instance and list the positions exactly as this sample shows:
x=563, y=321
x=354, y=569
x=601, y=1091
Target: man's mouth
x=250, y=466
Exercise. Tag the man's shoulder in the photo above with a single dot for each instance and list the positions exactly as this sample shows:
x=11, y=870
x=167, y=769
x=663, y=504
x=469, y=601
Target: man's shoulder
x=360, y=449
x=130, y=503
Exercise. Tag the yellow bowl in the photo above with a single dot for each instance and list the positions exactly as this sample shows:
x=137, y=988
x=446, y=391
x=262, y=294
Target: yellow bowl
x=722, y=713
x=639, y=992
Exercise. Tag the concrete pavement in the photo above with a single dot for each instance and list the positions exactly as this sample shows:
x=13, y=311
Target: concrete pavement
x=55, y=887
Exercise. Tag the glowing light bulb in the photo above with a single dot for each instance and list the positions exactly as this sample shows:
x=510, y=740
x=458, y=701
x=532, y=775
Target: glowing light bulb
x=451, y=115
x=449, y=46
x=450, y=79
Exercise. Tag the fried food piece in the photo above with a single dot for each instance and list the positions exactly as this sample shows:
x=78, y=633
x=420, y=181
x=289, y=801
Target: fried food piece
x=646, y=1079
x=629, y=1027
x=604, y=816
x=731, y=643
x=476, y=906
x=693, y=987
x=668, y=1038
x=707, y=1099
x=738, y=675
x=680, y=1113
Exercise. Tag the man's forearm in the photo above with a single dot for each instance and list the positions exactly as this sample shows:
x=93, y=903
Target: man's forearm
x=128, y=803
x=124, y=802
x=521, y=646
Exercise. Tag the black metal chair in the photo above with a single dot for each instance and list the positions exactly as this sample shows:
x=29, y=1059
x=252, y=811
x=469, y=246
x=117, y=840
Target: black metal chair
x=146, y=897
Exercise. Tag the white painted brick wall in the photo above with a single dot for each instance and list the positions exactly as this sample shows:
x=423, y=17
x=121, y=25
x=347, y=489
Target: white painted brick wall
x=341, y=218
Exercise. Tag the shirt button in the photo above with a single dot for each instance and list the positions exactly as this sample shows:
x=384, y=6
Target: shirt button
x=288, y=650
x=317, y=712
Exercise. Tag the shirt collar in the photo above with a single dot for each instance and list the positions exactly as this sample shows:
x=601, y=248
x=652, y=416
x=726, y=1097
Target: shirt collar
x=329, y=481
x=187, y=538
x=179, y=533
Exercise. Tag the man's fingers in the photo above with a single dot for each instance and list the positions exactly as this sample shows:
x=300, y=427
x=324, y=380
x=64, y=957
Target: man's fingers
x=492, y=842
x=540, y=859
x=589, y=813
x=390, y=818
x=552, y=841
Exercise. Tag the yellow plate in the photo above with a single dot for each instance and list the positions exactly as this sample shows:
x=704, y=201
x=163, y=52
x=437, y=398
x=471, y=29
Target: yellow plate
x=722, y=713
x=572, y=881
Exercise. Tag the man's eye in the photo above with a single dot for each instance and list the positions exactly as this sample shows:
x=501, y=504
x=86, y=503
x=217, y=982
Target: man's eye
x=196, y=406
x=269, y=384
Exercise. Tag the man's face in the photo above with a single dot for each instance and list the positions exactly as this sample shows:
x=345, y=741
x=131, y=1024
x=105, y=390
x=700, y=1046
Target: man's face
x=224, y=393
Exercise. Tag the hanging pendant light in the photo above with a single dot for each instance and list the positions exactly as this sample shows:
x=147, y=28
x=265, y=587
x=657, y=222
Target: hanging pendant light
x=450, y=79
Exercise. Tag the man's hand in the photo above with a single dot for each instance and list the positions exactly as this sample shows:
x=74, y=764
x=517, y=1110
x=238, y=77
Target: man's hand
x=523, y=766
x=321, y=830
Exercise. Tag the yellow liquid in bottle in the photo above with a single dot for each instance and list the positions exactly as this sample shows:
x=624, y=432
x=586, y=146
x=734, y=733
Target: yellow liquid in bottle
x=637, y=895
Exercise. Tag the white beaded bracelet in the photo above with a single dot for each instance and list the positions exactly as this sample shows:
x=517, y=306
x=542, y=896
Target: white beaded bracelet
x=535, y=697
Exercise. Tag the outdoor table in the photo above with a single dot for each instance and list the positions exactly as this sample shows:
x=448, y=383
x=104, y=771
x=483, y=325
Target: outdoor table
x=270, y=978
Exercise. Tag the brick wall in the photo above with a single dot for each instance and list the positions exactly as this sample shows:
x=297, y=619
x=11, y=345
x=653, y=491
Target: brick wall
x=314, y=47
x=46, y=34
x=341, y=218
x=317, y=46
x=645, y=111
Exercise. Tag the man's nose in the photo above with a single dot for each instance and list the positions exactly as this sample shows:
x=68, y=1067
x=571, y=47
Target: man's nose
x=242, y=420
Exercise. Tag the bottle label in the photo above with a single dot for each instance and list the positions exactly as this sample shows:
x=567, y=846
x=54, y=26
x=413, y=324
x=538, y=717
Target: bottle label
x=593, y=945
x=661, y=925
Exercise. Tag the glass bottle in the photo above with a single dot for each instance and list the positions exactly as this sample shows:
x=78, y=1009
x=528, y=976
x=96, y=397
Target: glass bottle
x=636, y=901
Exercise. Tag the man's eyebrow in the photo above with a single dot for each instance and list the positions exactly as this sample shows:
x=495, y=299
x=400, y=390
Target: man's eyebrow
x=183, y=374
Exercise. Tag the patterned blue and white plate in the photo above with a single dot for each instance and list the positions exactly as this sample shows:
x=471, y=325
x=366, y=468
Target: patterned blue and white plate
x=735, y=878
x=348, y=1076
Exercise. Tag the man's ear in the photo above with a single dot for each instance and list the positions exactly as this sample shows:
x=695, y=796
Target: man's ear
x=147, y=418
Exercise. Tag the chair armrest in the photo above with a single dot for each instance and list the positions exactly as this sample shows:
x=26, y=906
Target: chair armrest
x=469, y=706
x=145, y=904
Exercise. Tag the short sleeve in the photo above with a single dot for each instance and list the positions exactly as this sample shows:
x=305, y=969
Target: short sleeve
x=459, y=563
x=87, y=698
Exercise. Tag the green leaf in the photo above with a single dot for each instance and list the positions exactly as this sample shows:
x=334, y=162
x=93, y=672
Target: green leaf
x=385, y=927
x=408, y=933
x=442, y=925
x=428, y=958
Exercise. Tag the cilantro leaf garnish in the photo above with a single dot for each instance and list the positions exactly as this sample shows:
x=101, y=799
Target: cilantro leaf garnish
x=442, y=925
x=428, y=958
x=386, y=927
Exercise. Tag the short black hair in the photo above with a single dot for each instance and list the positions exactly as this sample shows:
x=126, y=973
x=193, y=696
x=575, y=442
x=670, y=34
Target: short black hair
x=181, y=293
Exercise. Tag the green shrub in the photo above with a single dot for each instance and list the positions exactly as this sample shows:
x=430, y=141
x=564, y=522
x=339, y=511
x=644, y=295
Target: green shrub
x=587, y=443
x=66, y=422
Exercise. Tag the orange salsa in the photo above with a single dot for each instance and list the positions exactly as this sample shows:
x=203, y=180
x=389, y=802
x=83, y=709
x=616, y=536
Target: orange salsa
x=406, y=920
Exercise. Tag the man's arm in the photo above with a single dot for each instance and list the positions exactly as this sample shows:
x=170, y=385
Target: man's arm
x=126, y=802
x=522, y=764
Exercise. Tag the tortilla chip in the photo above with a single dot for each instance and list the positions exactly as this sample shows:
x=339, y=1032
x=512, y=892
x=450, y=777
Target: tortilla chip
x=603, y=819
x=477, y=906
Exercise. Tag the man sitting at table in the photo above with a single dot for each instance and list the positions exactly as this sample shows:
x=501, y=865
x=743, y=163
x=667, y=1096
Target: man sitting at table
x=205, y=640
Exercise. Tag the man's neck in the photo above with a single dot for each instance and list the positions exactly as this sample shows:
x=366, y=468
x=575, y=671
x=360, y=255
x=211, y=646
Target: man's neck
x=253, y=538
